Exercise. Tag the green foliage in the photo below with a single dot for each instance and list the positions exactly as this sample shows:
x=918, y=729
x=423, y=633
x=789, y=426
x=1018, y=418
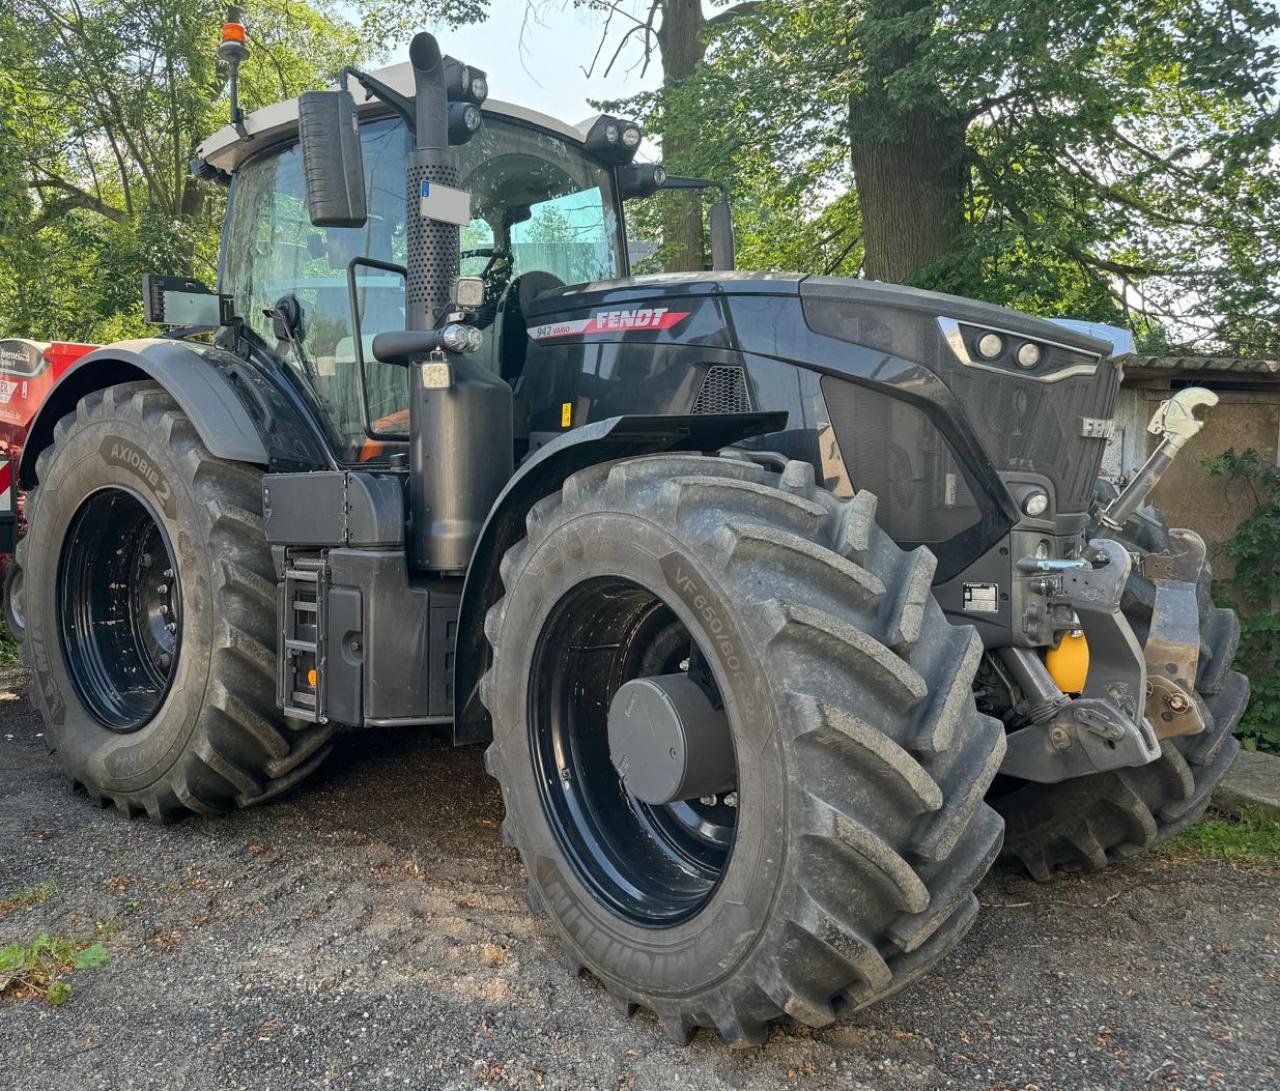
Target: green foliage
x=25, y=899
x=102, y=105
x=1115, y=159
x=9, y=652
x=1251, y=839
x=1254, y=590
x=37, y=969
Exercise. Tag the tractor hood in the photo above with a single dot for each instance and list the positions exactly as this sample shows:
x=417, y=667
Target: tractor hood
x=834, y=305
x=1011, y=394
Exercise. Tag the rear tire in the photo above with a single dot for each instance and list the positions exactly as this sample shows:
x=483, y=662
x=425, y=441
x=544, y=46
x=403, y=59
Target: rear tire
x=1091, y=822
x=151, y=615
x=860, y=828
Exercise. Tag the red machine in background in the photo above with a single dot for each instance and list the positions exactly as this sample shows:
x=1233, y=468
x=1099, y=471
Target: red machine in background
x=28, y=369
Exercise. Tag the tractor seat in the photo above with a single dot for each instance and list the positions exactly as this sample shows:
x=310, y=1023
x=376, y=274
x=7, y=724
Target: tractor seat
x=515, y=329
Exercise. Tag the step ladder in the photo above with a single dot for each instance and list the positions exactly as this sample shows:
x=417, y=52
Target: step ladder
x=301, y=662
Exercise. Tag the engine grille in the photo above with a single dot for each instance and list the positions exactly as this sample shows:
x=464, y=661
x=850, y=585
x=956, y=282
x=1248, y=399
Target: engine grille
x=724, y=390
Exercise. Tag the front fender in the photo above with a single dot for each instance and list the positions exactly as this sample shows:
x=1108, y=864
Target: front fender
x=542, y=473
x=240, y=414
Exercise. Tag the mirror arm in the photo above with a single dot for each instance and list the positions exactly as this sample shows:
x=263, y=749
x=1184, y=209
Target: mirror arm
x=675, y=181
x=379, y=90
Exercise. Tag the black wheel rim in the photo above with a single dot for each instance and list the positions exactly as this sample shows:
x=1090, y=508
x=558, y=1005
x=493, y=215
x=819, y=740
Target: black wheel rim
x=653, y=865
x=119, y=608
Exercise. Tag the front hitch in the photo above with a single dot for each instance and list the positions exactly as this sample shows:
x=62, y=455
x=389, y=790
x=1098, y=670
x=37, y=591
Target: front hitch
x=1106, y=727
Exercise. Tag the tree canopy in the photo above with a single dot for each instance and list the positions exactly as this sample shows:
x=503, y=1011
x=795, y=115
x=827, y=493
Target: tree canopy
x=102, y=104
x=1109, y=159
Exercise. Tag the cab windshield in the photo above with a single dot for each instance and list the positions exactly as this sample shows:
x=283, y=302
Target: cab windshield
x=543, y=213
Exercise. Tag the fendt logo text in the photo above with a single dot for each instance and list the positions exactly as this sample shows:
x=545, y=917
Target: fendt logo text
x=643, y=318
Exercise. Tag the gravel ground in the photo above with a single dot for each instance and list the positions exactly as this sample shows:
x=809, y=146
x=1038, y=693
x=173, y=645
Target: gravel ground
x=371, y=932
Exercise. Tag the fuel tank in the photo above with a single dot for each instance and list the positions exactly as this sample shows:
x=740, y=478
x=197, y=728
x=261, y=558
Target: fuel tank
x=948, y=409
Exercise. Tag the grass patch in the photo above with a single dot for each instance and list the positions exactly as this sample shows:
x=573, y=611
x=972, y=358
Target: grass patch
x=25, y=899
x=39, y=968
x=9, y=655
x=1253, y=838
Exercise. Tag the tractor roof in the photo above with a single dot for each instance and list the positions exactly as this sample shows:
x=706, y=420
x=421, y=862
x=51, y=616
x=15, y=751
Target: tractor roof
x=277, y=123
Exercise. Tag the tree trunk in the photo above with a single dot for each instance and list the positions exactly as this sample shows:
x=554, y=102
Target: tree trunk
x=908, y=159
x=680, y=39
x=911, y=192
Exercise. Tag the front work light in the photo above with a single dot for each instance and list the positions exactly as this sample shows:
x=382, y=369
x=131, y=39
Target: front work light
x=464, y=121
x=468, y=293
x=1035, y=504
x=612, y=139
x=459, y=338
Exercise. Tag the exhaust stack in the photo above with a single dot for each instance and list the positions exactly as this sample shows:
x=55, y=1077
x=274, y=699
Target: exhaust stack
x=460, y=415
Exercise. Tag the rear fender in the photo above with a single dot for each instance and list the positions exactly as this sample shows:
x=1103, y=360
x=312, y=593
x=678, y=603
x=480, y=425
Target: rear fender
x=240, y=413
x=543, y=473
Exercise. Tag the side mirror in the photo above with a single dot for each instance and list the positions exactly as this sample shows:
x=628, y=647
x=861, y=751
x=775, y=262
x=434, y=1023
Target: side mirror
x=332, y=164
x=179, y=301
x=721, y=235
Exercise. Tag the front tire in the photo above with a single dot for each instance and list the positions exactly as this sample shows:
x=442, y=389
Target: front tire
x=151, y=615
x=859, y=832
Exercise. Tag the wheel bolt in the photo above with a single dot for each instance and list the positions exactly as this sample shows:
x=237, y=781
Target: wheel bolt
x=168, y=573
x=707, y=801
x=163, y=608
x=172, y=626
x=731, y=799
x=162, y=588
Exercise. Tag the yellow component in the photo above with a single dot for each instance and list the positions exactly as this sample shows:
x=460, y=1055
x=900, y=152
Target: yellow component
x=311, y=677
x=1068, y=663
x=566, y=414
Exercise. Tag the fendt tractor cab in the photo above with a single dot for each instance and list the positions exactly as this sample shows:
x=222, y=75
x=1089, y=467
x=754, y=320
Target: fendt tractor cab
x=774, y=598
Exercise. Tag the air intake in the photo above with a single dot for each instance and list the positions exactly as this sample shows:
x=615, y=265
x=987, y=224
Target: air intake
x=724, y=390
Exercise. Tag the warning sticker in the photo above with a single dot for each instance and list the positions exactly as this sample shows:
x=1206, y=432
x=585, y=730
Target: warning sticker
x=981, y=598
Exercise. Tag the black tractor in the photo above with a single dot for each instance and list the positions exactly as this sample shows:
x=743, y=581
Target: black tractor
x=776, y=599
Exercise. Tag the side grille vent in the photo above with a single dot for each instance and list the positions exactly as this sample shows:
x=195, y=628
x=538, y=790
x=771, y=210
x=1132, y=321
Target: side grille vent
x=724, y=390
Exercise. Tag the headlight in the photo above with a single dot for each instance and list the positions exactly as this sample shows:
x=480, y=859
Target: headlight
x=457, y=338
x=1029, y=354
x=1035, y=504
x=611, y=134
x=479, y=88
x=990, y=345
x=631, y=137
